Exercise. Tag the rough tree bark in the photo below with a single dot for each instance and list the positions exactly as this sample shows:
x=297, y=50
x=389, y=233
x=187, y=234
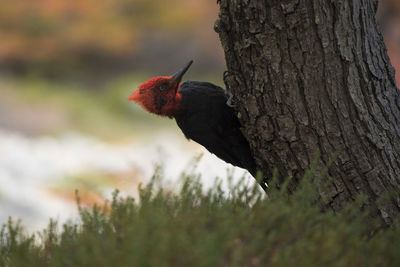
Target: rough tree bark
x=312, y=75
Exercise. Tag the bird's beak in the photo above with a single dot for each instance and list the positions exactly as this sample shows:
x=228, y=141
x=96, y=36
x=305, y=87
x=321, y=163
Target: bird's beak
x=177, y=77
x=134, y=96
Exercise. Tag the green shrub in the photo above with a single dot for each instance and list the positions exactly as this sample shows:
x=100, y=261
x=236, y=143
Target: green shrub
x=214, y=228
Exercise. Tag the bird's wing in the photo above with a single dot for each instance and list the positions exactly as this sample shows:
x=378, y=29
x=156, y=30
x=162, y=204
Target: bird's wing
x=209, y=121
x=220, y=134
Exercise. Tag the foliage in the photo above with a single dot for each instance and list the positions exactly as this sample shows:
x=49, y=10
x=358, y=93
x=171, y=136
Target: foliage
x=193, y=228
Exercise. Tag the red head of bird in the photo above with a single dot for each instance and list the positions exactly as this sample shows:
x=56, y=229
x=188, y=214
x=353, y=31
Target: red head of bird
x=160, y=95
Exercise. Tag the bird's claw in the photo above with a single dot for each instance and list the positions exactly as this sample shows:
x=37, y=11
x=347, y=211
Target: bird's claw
x=229, y=102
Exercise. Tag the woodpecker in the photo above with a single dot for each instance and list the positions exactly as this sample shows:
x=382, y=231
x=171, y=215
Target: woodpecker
x=203, y=112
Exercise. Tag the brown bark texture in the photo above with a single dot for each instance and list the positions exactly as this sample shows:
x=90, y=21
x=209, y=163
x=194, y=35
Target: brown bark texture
x=314, y=75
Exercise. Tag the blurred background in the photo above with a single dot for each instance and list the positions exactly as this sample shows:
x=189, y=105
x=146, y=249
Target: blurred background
x=66, y=71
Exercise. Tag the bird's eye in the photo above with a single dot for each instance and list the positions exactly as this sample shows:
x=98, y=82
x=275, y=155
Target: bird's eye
x=162, y=87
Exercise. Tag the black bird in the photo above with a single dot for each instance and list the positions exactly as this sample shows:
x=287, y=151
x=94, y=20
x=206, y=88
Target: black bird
x=202, y=112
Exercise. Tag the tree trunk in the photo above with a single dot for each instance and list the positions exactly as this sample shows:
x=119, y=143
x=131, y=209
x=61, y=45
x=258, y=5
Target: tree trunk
x=311, y=75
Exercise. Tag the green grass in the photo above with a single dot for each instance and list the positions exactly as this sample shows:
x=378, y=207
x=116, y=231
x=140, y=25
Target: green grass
x=243, y=227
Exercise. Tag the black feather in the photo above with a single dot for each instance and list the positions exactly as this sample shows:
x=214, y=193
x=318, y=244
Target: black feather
x=206, y=118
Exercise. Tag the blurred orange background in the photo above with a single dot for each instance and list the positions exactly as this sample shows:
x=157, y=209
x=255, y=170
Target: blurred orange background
x=60, y=37
x=389, y=18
